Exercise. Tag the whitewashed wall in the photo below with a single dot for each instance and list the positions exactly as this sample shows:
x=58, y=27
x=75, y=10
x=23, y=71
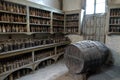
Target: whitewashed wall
x=75, y=38
x=71, y=5
x=113, y=42
x=49, y=3
x=114, y=1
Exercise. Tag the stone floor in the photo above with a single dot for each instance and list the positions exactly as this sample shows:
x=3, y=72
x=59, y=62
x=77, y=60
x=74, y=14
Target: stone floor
x=112, y=73
x=58, y=71
x=48, y=73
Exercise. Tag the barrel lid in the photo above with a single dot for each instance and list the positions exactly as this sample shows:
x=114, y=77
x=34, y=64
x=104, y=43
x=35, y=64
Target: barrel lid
x=75, y=65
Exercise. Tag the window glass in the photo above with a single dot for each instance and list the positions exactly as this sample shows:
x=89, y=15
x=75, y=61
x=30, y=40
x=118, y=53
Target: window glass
x=100, y=8
x=100, y=1
x=90, y=7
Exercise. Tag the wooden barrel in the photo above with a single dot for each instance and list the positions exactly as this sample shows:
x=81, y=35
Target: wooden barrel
x=85, y=56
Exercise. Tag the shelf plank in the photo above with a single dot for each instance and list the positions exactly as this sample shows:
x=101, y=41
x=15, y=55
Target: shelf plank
x=58, y=26
x=45, y=59
x=39, y=17
x=55, y=19
x=113, y=33
x=13, y=32
x=6, y=22
x=27, y=33
x=13, y=70
x=8, y=12
x=30, y=64
x=114, y=24
x=72, y=20
x=25, y=50
x=40, y=24
x=74, y=26
x=114, y=16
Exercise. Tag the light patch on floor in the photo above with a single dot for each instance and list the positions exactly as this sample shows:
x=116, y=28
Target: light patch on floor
x=48, y=73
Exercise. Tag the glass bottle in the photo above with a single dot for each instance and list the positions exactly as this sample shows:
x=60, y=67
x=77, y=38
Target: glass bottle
x=1, y=5
x=3, y=28
x=11, y=8
x=14, y=8
x=17, y=9
x=4, y=6
x=0, y=28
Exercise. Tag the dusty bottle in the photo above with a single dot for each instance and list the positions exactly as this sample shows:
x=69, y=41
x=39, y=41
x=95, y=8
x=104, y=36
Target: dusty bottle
x=3, y=27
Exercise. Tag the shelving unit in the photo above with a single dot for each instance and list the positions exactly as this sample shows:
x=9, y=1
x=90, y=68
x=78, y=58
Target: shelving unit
x=12, y=17
x=13, y=61
x=72, y=22
x=114, y=21
x=21, y=54
x=39, y=20
x=58, y=22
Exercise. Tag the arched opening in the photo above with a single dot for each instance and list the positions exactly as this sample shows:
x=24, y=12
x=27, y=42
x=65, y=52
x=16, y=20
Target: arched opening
x=17, y=74
x=45, y=63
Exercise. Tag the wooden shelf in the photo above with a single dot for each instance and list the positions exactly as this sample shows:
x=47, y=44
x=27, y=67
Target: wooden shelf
x=3, y=54
x=13, y=32
x=114, y=16
x=39, y=24
x=114, y=24
x=8, y=12
x=33, y=49
x=58, y=26
x=6, y=22
x=13, y=70
x=72, y=26
x=58, y=19
x=113, y=33
x=73, y=20
x=40, y=17
x=45, y=59
x=71, y=32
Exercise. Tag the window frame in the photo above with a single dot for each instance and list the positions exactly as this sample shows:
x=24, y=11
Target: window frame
x=95, y=5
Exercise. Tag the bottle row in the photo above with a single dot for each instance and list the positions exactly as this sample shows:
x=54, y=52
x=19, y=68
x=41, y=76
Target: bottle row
x=58, y=23
x=14, y=62
x=58, y=29
x=114, y=29
x=16, y=75
x=11, y=7
x=72, y=17
x=115, y=12
x=71, y=29
x=43, y=54
x=39, y=29
x=10, y=45
x=115, y=21
x=39, y=21
x=38, y=12
x=72, y=23
x=12, y=28
x=22, y=72
x=58, y=16
x=12, y=18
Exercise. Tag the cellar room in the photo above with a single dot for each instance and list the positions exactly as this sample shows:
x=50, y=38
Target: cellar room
x=59, y=39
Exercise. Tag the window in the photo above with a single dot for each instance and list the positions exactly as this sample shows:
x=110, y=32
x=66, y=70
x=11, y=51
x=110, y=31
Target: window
x=90, y=6
x=95, y=6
